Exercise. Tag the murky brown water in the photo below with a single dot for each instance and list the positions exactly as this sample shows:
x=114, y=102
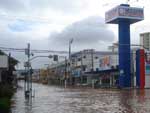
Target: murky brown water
x=51, y=99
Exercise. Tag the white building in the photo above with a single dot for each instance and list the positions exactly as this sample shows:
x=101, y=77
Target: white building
x=145, y=40
x=91, y=60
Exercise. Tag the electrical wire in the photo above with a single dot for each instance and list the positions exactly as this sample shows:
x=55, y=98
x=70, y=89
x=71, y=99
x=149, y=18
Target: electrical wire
x=32, y=50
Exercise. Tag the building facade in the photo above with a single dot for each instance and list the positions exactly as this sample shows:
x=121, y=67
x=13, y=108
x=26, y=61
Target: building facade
x=87, y=67
x=145, y=40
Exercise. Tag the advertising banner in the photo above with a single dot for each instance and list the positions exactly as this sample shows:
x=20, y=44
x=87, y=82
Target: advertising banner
x=105, y=63
x=108, y=62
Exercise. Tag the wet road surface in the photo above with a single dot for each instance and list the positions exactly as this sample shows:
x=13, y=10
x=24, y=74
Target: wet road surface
x=53, y=99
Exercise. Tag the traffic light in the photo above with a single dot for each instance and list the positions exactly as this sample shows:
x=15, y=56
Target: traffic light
x=55, y=57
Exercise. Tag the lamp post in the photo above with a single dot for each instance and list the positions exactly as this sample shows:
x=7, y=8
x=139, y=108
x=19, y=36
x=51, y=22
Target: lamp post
x=70, y=42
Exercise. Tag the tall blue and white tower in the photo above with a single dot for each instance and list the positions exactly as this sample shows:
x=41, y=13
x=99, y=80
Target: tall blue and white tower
x=124, y=15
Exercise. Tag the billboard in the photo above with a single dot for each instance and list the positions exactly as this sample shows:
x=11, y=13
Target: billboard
x=105, y=63
x=109, y=62
x=3, y=61
x=124, y=12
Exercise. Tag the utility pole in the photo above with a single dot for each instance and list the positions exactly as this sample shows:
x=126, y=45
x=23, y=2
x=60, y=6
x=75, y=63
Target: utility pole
x=70, y=71
x=28, y=92
x=92, y=59
x=81, y=67
x=28, y=68
x=65, y=72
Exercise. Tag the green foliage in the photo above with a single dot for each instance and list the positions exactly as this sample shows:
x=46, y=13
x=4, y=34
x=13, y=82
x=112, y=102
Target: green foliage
x=4, y=103
x=6, y=92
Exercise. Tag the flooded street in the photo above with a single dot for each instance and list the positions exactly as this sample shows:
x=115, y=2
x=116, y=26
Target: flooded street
x=52, y=99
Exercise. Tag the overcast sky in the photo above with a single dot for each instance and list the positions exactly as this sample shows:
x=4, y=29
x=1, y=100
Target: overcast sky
x=49, y=24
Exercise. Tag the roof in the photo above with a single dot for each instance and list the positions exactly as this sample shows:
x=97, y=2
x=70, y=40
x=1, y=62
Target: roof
x=94, y=52
x=12, y=59
x=102, y=71
x=144, y=33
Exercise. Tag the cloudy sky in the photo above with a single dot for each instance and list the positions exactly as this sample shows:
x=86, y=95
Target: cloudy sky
x=50, y=24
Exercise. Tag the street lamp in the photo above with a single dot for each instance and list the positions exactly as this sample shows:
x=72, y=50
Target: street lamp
x=70, y=42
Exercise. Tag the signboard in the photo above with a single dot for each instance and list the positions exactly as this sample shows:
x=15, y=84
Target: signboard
x=111, y=15
x=147, y=69
x=105, y=63
x=3, y=61
x=27, y=64
x=109, y=62
x=124, y=12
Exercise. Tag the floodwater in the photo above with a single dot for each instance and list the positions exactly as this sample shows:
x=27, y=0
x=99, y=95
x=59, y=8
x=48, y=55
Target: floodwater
x=53, y=99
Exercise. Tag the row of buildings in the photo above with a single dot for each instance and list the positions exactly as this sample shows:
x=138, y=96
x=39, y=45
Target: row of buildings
x=85, y=67
x=90, y=67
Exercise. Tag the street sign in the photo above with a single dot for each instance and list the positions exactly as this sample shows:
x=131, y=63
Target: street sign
x=27, y=64
x=26, y=51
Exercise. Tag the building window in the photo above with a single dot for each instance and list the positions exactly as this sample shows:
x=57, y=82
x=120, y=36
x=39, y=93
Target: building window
x=84, y=56
x=96, y=57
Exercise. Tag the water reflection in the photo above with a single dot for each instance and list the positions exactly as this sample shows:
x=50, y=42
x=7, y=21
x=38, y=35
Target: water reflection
x=51, y=99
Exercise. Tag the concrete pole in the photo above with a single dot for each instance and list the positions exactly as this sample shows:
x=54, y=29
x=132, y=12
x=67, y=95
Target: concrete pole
x=92, y=59
x=0, y=77
x=70, y=42
x=29, y=76
x=93, y=82
x=65, y=72
x=81, y=67
x=100, y=81
x=110, y=80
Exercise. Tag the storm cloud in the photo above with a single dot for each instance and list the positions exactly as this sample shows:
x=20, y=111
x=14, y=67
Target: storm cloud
x=11, y=5
x=67, y=6
x=50, y=24
x=88, y=32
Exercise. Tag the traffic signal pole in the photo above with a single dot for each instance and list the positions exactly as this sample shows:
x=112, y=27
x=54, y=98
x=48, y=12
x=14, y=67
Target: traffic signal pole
x=28, y=92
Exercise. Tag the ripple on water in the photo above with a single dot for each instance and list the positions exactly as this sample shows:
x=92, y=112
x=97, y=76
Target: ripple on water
x=52, y=99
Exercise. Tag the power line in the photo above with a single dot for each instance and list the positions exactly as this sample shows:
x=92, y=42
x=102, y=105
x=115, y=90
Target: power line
x=32, y=50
